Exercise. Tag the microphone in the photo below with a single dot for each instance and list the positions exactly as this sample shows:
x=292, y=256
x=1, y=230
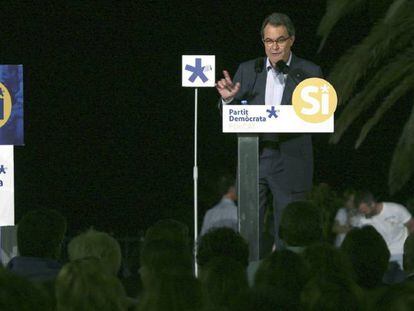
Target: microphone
x=298, y=75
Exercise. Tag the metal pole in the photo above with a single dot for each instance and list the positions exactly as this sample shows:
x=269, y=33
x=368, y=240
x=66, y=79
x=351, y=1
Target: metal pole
x=195, y=177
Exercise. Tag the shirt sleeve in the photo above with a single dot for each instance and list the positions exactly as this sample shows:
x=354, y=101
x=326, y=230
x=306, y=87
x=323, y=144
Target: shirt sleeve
x=404, y=214
x=341, y=216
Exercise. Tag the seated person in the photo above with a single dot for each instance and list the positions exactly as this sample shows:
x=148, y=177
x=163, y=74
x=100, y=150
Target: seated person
x=97, y=244
x=40, y=235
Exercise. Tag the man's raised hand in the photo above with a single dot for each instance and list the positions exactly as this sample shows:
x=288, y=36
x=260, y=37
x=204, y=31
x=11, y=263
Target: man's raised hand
x=226, y=88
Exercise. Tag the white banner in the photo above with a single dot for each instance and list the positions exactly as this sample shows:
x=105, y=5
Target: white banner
x=6, y=186
x=270, y=119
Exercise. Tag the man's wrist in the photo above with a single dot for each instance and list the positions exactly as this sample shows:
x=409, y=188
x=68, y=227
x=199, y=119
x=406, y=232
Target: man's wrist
x=226, y=101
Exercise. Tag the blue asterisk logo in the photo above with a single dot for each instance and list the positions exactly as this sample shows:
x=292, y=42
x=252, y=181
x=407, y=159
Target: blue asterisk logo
x=272, y=112
x=2, y=169
x=198, y=71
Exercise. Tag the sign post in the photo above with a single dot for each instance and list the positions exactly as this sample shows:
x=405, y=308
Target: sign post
x=197, y=71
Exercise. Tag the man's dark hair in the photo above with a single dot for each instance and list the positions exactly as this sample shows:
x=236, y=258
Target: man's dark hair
x=163, y=256
x=364, y=196
x=278, y=19
x=168, y=230
x=224, y=282
x=40, y=233
x=287, y=273
x=301, y=224
x=332, y=293
x=325, y=260
x=369, y=255
x=224, y=183
x=222, y=242
x=395, y=297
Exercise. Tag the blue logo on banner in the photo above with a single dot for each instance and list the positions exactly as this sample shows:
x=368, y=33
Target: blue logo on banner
x=198, y=71
x=2, y=169
x=272, y=112
x=11, y=105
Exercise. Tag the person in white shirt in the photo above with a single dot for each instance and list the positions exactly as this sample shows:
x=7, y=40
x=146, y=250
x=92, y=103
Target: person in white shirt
x=391, y=220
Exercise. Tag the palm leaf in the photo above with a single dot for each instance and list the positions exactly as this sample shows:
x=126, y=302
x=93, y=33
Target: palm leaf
x=399, y=91
x=402, y=164
x=390, y=75
x=385, y=40
x=335, y=10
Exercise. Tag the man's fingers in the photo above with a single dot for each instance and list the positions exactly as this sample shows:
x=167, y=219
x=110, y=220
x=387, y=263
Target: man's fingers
x=227, y=77
x=236, y=87
x=220, y=84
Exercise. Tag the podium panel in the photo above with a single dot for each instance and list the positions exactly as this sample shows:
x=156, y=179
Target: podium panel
x=248, y=191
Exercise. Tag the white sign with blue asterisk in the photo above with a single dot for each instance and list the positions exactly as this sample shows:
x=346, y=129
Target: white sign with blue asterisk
x=198, y=70
x=270, y=119
x=6, y=186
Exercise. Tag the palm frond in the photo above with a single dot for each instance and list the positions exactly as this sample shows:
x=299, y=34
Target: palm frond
x=390, y=36
x=399, y=91
x=335, y=10
x=394, y=8
x=389, y=76
x=402, y=164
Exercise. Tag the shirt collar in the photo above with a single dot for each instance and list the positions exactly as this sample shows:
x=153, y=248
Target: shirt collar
x=269, y=66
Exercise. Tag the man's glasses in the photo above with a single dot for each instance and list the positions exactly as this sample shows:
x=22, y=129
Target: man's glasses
x=279, y=41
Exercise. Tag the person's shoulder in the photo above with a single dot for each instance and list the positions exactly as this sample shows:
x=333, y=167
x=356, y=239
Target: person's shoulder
x=251, y=64
x=392, y=207
x=341, y=212
x=304, y=63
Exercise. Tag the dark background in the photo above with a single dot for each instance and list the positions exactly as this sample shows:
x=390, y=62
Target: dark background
x=109, y=129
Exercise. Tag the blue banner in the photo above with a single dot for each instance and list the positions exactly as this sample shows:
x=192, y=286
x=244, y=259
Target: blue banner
x=11, y=105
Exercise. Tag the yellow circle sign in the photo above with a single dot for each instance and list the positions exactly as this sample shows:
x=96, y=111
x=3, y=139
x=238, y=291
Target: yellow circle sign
x=5, y=104
x=314, y=100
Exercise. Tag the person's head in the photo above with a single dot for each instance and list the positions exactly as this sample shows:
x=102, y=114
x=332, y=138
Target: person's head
x=326, y=260
x=397, y=297
x=278, y=35
x=287, y=273
x=223, y=282
x=369, y=255
x=366, y=203
x=40, y=234
x=226, y=187
x=333, y=293
x=349, y=199
x=261, y=298
x=408, y=257
x=172, y=292
x=167, y=277
x=97, y=244
x=301, y=224
x=161, y=257
x=222, y=242
x=83, y=285
x=170, y=230
x=18, y=293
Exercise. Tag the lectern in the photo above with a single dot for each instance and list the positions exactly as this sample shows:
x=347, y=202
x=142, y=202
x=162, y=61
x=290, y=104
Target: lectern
x=248, y=121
